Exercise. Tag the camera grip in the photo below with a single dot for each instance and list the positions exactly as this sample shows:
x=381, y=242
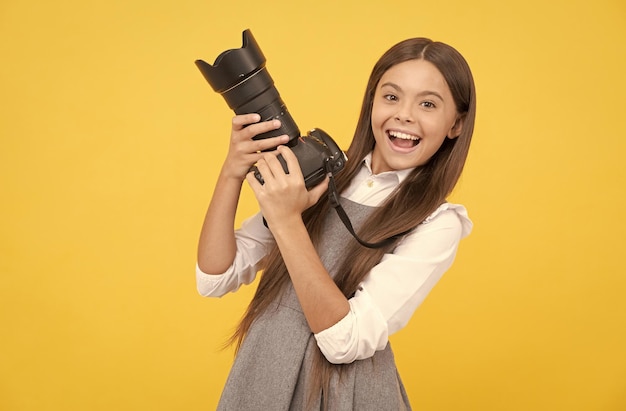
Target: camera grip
x=257, y=173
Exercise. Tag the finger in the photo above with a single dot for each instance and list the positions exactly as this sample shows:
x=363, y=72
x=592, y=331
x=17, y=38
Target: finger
x=250, y=131
x=242, y=120
x=253, y=182
x=263, y=127
x=265, y=170
x=292, y=161
x=318, y=191
x=274, y=165
x=269, y=143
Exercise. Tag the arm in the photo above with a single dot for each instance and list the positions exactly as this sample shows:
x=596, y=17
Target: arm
x=282, y=199
x=391, y=292
x=322, y=302
x=253, y=241
x=217, y=246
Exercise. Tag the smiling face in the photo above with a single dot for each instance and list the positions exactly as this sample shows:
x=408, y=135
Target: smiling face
x=412, y=113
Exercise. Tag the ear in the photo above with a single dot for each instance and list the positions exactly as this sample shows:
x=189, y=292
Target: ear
x=456, y=128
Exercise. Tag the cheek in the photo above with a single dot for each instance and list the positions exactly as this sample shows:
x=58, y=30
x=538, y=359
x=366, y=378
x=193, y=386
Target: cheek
x=374, y=115
x=379, y=115
x=376, y=124
x=436, y=126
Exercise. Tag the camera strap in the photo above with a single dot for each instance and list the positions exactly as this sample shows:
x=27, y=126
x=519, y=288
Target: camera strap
x=333, y=198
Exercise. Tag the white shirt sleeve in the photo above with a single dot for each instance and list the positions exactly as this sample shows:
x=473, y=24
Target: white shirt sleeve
x=254, y=241
x=389, y=295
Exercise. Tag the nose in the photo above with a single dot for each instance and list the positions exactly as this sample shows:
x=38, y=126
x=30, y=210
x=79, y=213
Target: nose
x=405, y=113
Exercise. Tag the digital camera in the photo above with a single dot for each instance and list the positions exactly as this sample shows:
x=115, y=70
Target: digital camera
x=241, y=77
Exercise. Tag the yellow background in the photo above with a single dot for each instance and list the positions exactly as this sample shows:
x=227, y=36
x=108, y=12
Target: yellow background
x=110, y=145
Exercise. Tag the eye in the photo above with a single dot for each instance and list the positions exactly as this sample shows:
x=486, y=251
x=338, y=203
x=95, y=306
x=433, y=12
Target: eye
x=428, y=104
x=390, y=97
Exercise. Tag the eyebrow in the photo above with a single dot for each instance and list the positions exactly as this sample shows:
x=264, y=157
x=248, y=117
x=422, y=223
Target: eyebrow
x=420, y=94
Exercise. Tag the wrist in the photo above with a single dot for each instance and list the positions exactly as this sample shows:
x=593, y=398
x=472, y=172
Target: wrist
x=231, y=176
x=282, y=227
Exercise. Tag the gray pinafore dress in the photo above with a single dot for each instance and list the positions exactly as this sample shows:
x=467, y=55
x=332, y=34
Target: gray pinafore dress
x=270, y=372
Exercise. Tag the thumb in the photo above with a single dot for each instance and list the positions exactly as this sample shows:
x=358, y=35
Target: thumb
x=316, y=192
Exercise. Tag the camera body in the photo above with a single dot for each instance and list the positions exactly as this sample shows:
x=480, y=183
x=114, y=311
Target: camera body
x=317, y=154
x=242, y=79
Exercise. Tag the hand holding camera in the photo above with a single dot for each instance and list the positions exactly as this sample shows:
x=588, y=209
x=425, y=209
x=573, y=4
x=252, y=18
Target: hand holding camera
x=244, y=151
x=283, y=196
x=240, y=76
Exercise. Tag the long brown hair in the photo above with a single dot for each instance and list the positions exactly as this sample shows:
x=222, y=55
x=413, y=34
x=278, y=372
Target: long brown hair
x=425, y=189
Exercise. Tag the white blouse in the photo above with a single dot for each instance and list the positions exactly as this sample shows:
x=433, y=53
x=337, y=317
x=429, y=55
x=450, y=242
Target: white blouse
x=392, y=290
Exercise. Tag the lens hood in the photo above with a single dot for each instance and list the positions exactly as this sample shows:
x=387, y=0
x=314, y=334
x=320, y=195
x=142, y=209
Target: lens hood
x=233, y=66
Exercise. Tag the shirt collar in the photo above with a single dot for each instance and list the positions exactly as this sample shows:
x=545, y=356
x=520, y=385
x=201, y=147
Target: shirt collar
x=401, y=175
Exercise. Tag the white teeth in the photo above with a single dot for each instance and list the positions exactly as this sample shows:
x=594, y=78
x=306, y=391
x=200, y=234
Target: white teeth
x=404, y=136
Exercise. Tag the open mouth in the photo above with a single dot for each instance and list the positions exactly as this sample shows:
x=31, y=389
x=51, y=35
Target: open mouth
x=403, y=140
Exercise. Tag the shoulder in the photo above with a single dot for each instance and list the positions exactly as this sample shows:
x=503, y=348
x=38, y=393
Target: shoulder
x=450, y=214
x=442, y=230
x=438, y=236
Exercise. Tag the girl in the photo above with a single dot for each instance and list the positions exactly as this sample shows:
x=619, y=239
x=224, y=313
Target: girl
x=315, y=335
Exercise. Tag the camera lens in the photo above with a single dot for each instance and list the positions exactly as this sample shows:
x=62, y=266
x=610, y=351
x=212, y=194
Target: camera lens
x=240, y=76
